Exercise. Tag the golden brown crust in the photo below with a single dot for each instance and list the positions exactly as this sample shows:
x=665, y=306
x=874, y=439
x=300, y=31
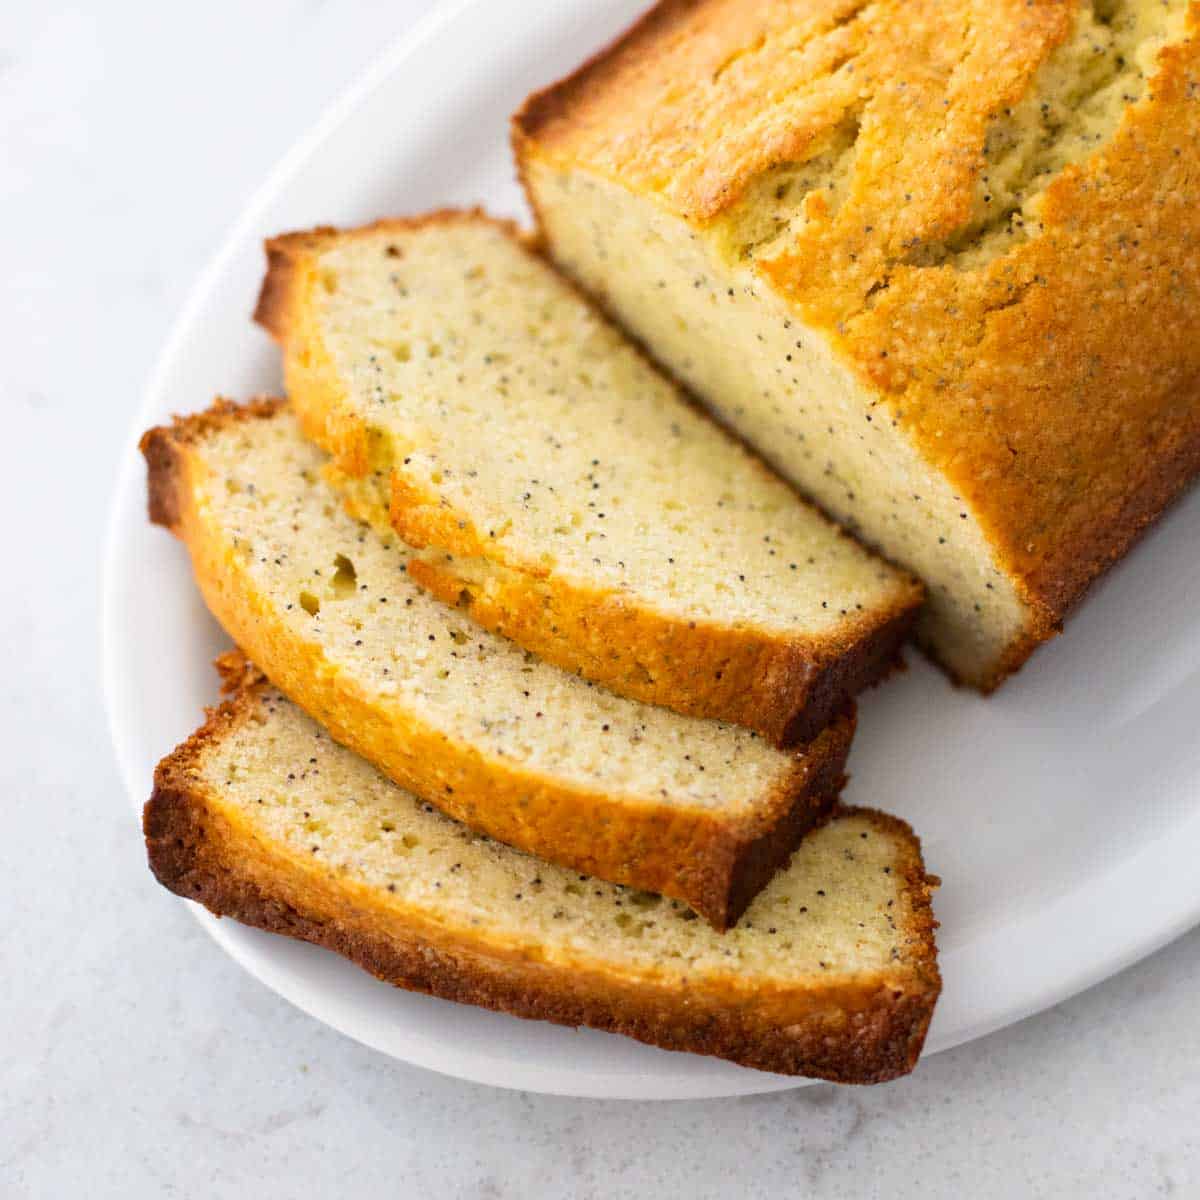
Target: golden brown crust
x=787, y=688
x=1056, y=384
x=714, y=861
x=862, y=1030
x=661, y=111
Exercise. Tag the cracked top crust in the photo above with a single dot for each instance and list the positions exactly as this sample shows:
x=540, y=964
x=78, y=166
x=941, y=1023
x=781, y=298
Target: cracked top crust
x=998, y=227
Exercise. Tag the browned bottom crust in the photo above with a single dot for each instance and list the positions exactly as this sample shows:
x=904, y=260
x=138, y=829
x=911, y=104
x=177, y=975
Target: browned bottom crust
x=861, y=1030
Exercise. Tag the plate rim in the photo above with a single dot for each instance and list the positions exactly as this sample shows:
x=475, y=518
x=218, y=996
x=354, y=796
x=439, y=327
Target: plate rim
x=1139, y=941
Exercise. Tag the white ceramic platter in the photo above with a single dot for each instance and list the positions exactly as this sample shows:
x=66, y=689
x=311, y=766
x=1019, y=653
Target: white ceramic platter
x=1063, y=814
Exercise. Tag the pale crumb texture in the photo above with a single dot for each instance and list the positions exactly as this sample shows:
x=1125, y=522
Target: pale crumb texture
x=771, y=378
x=836, y=911
x=920, y=254
x=341, y=587
x=490, y=385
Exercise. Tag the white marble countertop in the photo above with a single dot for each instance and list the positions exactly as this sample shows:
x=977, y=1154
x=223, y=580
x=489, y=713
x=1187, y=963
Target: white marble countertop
x=136, y=1059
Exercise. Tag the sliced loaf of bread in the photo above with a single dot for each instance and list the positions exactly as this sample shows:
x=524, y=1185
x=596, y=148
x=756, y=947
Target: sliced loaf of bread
x=564, y=490
x=700, y=810
x=935, y=259
x=261, y=816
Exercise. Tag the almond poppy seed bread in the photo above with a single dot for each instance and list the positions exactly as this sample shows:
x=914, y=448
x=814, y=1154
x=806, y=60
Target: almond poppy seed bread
x=562, y=489
x=936, y=259
x=261, y=816
x=516, y=747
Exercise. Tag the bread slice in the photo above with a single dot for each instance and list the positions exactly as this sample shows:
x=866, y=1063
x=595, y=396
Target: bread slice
x=935, y=259
x=561, y=488
x=541, y=759
x=261, y=816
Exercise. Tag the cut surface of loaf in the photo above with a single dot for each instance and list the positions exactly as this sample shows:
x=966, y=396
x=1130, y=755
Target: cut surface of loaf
x=935, y=259
x=561, y=488
x=261, y=816
x=537, y=757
